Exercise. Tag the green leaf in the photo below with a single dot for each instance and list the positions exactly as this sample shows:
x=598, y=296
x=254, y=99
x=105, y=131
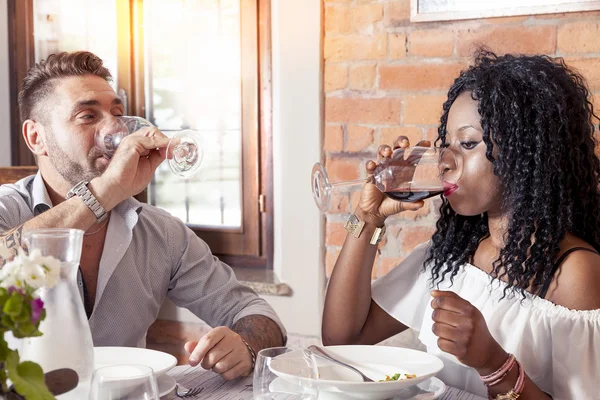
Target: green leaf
x=13, y=305
x=28, y=378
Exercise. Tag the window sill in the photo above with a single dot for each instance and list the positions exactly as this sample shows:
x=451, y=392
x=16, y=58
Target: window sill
x=262, y=281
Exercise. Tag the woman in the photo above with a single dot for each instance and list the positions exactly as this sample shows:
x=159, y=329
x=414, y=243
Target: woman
x=514, y=261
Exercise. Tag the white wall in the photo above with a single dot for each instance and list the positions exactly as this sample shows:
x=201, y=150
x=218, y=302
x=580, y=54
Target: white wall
x=4, y=88
x=296, y=30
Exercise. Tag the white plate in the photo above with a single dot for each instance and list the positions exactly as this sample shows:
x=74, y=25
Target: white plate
x=157, y=360
x=374, y=361
x=429, y=389
x=166, y=384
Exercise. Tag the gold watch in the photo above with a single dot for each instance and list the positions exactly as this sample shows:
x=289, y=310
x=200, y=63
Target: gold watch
x=354, y=226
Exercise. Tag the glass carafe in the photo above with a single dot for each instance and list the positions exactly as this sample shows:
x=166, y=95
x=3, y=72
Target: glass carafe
x=66, y=340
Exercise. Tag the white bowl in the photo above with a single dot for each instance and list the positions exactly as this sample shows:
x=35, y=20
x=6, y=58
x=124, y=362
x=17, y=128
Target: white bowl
x=374, y=361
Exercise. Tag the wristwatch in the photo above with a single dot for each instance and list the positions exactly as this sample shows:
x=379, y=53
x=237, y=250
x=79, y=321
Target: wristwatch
x=81, y=190
x=354, y=226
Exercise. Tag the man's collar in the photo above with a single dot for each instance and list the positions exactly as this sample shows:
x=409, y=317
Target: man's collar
x=39, y=195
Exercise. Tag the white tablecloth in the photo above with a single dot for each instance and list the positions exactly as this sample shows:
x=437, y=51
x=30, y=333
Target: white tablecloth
x=216, y=387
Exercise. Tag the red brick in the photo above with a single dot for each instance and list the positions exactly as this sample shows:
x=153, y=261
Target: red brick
x=413, y=236
x=361, y=110
x=431, y=43
x=573, y=16
x=397, y=44
x=334, y=138
x=416, y=77
x=336, y=77
x=397, y=13
x=423, y=109
x=507, y=20
x=335, y=233
x=365, y=16
x=387, y=264
x=359, y=137
x=339, y=203
x=431, y=134
x=355, y=47
x=342, y=169
x=362, y=77
x=337, y=19
x=508, y=39
x=589, y=68
x=388, y=135
x=579, y=37
x=330, y=259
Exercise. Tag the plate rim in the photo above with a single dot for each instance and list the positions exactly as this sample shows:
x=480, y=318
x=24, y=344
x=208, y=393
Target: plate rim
x=158, y=373
x=396, y=348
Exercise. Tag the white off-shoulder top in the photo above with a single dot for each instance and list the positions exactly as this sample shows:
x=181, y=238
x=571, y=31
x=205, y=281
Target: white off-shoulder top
x=559, y=348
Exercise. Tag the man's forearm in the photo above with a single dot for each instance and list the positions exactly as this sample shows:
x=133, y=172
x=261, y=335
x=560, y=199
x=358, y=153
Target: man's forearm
x=72, y=213
x=259, y=331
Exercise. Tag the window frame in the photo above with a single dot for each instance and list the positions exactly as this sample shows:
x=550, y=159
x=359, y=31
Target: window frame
x=493, y=11
x=252, y=244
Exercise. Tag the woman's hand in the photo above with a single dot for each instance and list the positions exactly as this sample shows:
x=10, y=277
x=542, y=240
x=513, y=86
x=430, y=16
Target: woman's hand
x=374, y=206
x=462, y=332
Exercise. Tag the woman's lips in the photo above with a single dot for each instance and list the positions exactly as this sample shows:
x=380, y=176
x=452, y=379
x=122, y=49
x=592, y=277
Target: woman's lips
x=449, y=188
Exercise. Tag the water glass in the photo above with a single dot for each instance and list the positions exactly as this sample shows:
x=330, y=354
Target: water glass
x=124, y=382
x=300, y=373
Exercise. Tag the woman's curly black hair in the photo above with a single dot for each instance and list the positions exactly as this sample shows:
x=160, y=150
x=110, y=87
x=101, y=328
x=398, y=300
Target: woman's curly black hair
x=537, y=111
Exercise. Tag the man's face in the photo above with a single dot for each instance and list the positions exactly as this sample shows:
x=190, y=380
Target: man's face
x=74, y=109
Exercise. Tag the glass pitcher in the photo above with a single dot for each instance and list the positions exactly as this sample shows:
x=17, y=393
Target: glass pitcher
x=66, y=340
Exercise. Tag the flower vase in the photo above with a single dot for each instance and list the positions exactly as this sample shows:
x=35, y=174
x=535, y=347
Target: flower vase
x=66, y=340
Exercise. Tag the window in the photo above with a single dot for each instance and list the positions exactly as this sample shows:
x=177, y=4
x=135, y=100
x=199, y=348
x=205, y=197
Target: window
x=442, y=10
x=200, y=64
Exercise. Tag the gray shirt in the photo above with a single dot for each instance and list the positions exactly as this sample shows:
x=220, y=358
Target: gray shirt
x=148, y=254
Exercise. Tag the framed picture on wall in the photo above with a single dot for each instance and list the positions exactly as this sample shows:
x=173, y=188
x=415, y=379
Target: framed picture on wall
x=446, y=10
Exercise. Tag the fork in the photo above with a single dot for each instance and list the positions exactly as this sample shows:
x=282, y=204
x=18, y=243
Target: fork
x=316, y=350
x=189, y=392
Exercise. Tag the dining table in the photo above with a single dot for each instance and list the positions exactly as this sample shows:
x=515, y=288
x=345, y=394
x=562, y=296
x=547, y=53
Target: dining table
x=217, y=388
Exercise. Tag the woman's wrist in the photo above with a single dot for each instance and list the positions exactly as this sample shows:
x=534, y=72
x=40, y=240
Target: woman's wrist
x=495, y=362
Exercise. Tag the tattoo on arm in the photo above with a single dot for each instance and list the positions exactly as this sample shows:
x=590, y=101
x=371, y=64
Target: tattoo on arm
x=11, y=239
x=259, y=331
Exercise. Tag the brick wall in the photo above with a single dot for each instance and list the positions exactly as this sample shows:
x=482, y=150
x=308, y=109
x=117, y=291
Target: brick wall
x=385, y=76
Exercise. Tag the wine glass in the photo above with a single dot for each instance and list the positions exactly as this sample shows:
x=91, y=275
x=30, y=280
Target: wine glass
x=266, y=385
x=124, y=382
x=410, y=174
x=185, y=145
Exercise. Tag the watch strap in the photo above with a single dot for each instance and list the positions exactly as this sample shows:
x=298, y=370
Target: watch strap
x=82, y=191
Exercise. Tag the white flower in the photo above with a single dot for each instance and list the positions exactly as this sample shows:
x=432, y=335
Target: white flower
x=33, y=270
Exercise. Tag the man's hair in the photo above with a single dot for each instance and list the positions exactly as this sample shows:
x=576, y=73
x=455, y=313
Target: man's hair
x=40, y=79
x=536, y=112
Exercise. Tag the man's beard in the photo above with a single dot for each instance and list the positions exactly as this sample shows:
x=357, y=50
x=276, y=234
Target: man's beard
x=71, y=171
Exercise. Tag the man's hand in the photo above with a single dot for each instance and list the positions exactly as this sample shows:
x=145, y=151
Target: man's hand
x=223, y=351
x=132, y=166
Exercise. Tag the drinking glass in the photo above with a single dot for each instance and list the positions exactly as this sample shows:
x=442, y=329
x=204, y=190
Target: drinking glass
x=66, y=340
x=268, y=386
x=124, y=382
x=185, y=145
x=410, y=174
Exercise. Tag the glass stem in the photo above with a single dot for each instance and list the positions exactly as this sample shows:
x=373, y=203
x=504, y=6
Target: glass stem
x=354, y=182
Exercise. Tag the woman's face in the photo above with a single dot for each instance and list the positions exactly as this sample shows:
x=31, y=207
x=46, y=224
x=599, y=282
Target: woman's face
x=477, y=190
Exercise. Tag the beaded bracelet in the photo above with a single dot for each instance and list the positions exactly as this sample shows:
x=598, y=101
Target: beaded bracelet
x=252, y=354
x=496, y=377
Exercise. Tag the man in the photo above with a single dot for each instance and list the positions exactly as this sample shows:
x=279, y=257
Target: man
x=133, y=254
